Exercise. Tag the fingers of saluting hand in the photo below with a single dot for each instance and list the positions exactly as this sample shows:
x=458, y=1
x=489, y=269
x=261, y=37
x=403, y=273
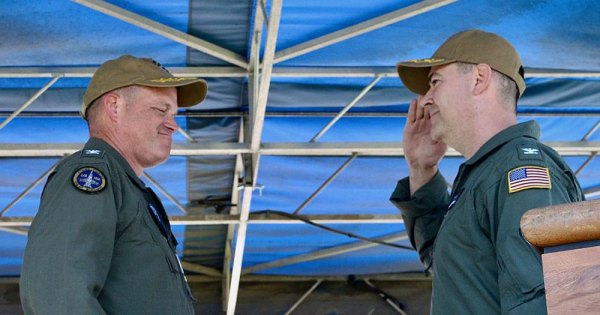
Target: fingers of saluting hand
x=412, y=111
x=418, y=115
x=420, y=108
x=417, y=111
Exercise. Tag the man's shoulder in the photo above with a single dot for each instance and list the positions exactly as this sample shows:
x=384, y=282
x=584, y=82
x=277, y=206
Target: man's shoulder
x=85, y=165
x=90, y=155
x=531, y=151
x=82, y=158
x=523, y=150
x=515, y=154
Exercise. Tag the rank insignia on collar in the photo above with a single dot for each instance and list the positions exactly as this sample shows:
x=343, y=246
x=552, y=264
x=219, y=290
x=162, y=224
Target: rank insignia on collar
x=89, y=179
x=92, y=152
x=529, y=151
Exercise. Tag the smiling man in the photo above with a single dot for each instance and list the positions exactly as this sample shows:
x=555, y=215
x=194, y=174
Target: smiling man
x=471, y=239
x=101, y=242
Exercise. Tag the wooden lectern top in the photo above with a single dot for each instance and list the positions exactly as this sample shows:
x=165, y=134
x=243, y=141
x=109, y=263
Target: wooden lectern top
x=562, y=224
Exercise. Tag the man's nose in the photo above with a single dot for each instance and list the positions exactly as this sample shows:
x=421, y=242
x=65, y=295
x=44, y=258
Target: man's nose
x=171, y=123
x=425, y=100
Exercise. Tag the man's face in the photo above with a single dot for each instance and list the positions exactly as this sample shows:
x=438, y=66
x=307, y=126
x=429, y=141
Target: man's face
x=447, y=102
x=148, y=123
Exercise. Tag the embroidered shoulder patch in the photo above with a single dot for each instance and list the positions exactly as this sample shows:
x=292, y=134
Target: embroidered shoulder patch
x=527, y=177
x=89, y=179
x=92, y=152
x=529, y=151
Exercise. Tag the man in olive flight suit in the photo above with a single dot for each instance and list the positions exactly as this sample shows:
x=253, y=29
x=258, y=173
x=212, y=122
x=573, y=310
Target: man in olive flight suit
x=101, y=242
x=471, y=240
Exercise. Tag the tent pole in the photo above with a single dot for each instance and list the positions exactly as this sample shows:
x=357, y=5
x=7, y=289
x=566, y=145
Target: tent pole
x=186, y=135
x=589, y=134
x=220, y=219
x=30, y=101
x=387, y=148
x=30, y=187
x=360, y=28
x=256, y=126
x=239, y=251
x=586, y=137
x=165, y=192
x=235, y=209
x=304, y=297
x=320, y=254
x=346, y=108
x=326, y=183
x=279, y=72
x=165, y=31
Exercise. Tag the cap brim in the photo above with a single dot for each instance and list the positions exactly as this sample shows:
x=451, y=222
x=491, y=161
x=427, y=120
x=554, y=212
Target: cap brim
x=190, y=91
x=191, y=94
x=415, y=73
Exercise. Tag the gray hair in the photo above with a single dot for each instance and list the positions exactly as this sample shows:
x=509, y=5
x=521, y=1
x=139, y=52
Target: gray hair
x=128, y=93
x=507, y=88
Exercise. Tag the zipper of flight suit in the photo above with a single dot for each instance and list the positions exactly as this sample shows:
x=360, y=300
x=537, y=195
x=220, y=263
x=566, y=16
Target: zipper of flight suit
x=454, y=191
x=170, y=255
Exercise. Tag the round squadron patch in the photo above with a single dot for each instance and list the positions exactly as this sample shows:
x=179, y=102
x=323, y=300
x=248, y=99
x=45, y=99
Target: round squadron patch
x=89, y=179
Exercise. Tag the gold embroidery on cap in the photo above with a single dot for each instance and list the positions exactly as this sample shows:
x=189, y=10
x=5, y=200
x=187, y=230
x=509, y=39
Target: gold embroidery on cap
x=165, y=80
x=427, y=60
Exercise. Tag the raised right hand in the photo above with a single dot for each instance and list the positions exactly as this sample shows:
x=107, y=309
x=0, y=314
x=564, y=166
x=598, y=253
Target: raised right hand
x=421, y=152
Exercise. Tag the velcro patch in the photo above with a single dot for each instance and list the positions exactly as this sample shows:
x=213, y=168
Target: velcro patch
x=527, y=177
x=89, y=179
x=92, y=152
x=529, y=151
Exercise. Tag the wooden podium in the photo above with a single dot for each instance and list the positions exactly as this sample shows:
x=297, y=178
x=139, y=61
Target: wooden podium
x=569, y=236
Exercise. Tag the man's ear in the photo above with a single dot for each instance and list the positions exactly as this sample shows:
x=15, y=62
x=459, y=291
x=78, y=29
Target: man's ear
x=483, y=78
x=111, y=103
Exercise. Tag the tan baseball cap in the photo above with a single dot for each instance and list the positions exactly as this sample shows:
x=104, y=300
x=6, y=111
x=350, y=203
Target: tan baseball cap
x=128, y=70
x=472, y=46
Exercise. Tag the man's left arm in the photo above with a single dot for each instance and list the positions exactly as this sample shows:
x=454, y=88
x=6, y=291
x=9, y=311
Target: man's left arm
x=520, y=275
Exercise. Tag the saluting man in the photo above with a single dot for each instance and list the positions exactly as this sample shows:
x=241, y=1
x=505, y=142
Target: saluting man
x=101, y=242
x=471, y=239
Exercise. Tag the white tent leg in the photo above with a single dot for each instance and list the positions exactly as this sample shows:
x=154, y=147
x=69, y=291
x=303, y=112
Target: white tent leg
x=239, y=251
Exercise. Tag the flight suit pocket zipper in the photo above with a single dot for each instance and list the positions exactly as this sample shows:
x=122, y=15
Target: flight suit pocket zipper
x=177, y=269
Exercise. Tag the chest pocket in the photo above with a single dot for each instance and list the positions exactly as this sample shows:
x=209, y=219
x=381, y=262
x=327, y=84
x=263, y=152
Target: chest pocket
x=142, y=231
x=458, y=208
x=455, y=228
x=158, y=239
x=139, y=229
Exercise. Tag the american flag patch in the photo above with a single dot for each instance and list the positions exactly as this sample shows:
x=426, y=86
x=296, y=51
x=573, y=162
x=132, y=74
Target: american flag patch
x=526, y=177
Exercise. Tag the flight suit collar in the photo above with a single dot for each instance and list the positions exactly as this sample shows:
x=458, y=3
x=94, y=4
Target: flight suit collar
x=527, y=129
x=162, y=220
x=99, y=144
